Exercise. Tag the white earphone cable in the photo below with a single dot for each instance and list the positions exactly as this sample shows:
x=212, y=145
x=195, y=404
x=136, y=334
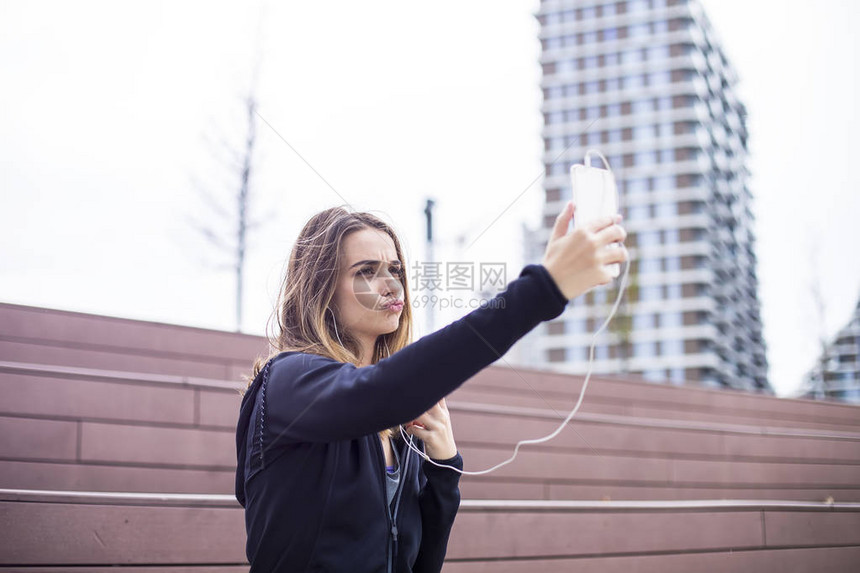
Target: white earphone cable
x=581, y=393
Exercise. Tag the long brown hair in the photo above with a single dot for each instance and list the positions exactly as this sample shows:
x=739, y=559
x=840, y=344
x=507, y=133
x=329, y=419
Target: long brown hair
x=304, y=320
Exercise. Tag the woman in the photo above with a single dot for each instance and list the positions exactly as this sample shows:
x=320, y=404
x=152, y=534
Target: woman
x=326, y=481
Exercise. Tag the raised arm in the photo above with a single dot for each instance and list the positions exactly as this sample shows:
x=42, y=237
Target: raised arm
x=312, y=398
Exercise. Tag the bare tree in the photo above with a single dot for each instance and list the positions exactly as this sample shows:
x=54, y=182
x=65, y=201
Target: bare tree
x=228, y=235
x=818, y=378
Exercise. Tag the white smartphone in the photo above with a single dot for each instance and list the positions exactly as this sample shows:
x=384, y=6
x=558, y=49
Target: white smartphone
x=595, y=195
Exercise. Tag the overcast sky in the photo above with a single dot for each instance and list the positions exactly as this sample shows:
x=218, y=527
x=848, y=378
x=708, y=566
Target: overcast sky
x=109, y=110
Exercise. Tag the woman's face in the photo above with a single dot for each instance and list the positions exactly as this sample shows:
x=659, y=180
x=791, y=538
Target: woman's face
x=369, y=278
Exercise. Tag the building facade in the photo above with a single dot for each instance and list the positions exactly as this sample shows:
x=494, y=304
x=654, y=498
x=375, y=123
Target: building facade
x=837, y=373
x=647, y=83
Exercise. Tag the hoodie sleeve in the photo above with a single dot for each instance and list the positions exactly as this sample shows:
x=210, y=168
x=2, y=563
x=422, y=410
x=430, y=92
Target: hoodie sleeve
x=311, y=398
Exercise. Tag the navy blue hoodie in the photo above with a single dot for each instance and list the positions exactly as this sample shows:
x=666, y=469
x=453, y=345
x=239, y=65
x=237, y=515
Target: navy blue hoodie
x=310, y=471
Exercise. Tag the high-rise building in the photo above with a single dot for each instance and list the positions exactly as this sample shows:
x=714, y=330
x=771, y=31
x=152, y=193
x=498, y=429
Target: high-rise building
x=647, y=83
x=837, y=373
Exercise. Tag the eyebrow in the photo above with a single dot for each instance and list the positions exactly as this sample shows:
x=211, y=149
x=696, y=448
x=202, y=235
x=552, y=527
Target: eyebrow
x=366, y=261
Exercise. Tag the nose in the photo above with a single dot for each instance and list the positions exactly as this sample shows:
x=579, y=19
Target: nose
x=391, y=287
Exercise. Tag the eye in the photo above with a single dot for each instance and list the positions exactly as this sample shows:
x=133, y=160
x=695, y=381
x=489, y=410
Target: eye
x=395, y=271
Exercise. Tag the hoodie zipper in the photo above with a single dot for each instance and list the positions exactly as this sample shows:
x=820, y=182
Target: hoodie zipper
x=392, y=519
x=404, y=466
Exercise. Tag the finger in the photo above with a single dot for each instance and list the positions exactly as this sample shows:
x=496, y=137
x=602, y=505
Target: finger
x=611, y=234
x=562, y=221
x=418, y=432
x=425, y=419
x=602, y=222
x=615, y=255
x=428, y=421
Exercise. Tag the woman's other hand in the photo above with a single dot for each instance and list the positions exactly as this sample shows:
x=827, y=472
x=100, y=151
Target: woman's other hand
x=576, y=261
x=433, y=427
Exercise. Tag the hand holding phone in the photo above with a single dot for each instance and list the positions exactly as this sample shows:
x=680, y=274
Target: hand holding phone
x=595, y=196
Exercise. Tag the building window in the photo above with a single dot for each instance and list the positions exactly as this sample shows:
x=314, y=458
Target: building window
x=673, y=291
x=645, y=158
x=610, y=59
x=660, y=78
x=589, y=37
x=601, y=352
x=631, y=56
x=637, y=186
x=576, y=325
x=553, y=43
x=650, y=293
x=634, y=81
x=649, y=265
x=610, y=34
x=669, y=209
x=664, y=182
x=646, y=349
x=555, y=169
x=672, y=347
x=643, y=106
x=613, y=110
x=666, y=130
x=643, y=321
x=673, y=264
x=671, y=320
x=565, y=66
x=636, y=5
x=658, y=53
x=637, y=30
x=672, y=237
x=677, y=375
x=661, y=26
x=589, y=13
x=643, y=131
x=664, y=103
x=592, y=87
x=648, y=239
x=613, y=85
x=638, y=213
x=556, y=355
x=589, y=62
